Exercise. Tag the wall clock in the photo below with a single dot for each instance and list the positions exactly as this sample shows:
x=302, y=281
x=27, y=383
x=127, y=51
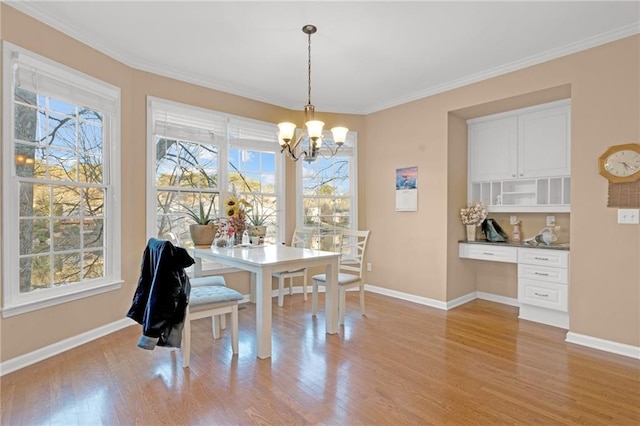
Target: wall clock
x=620, y=163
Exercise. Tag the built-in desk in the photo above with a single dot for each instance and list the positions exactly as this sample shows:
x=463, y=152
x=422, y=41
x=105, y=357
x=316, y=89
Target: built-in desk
x=543, y=276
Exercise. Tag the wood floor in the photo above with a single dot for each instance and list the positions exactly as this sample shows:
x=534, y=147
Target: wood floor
x=402, y=364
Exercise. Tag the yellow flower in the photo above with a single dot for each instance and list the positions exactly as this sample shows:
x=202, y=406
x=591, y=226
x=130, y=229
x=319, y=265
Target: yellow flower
x=231, y=202
x=231, y=211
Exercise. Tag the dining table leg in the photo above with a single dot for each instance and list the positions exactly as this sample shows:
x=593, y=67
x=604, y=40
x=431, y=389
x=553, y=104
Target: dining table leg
x=331, y=297
x=263, y=313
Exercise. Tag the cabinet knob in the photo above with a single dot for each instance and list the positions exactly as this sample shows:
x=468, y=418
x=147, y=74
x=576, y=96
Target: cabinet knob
x=513, y=175
x=521, y=174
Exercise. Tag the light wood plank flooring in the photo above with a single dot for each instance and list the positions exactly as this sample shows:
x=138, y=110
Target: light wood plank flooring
x=401, y=364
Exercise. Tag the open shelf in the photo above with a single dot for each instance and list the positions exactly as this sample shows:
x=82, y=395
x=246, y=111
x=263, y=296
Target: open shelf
x=552, y=194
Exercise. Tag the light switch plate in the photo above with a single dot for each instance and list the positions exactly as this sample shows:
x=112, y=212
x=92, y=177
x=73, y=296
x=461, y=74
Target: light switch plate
x=629, y=216
x=513, y=219
x=551, y=220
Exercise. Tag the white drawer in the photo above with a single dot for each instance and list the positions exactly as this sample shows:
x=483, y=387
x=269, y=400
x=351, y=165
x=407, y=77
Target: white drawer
x=543, y=273
x=546, y=295
x=544, y=257
x=489, y=252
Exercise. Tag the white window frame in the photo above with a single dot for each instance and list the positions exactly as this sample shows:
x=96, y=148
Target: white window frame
x=349, y=149
x=78, y=88
x=223, y=157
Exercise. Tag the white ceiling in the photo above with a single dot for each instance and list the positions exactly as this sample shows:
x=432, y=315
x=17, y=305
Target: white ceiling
x=366, y=56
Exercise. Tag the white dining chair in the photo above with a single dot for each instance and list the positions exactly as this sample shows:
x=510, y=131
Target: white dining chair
x=350, y=273
x=209, y=297
x=215, y=301
x=301, y=239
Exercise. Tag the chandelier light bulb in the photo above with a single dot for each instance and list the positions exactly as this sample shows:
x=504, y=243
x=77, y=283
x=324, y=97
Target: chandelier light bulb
x=286, y=131
x=314, y=128
x=339, y=134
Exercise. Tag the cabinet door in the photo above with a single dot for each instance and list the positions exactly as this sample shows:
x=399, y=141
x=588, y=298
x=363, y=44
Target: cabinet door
x=544, y=143
x=493, y=149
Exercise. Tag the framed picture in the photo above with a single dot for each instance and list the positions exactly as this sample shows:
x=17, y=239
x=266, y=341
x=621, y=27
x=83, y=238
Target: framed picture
x=407, y=189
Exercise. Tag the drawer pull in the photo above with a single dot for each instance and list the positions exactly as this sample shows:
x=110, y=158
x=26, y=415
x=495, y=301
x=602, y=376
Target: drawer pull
x=488, y=254
x=540, y=258
x=540, y=294
x=544, y=274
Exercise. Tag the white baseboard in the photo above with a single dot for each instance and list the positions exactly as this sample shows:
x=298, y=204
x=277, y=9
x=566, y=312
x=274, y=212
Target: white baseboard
x=62, y=346
x=604, y=345
x=406, y=296
x=497, y=298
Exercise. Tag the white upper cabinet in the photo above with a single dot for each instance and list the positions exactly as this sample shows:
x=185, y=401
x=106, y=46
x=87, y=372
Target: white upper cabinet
x=544, y=143
x=493, y=149
x=521, y=160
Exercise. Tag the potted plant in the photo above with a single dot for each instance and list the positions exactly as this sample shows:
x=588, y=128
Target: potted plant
x=203, y=230
x=258, y=218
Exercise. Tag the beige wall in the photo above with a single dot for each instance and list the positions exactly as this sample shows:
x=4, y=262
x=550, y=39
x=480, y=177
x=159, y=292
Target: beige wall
x=603, y=83
x=429, y=133
x=25, y=333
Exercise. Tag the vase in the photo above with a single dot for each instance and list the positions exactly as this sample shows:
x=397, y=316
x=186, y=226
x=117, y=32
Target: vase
x=471, y=232
x=238, y=238
x=202, y=234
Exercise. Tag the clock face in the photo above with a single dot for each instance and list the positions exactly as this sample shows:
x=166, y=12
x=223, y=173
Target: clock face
x=623, y=163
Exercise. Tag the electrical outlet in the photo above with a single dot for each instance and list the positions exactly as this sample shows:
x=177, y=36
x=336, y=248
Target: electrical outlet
x=513, y=219
x=369, y=266
x=551, y=220
x=629, y=216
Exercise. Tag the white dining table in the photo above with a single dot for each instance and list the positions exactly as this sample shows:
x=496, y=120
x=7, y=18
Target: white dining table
x=262, y=262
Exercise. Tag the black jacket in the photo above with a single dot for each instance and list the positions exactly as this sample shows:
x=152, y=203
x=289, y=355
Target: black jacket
x=161, y=297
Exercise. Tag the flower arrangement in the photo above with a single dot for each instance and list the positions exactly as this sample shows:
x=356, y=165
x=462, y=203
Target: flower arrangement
x=473, y=214
x=235, y=210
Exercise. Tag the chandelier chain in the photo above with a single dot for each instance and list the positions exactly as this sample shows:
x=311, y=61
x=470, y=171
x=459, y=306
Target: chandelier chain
x=309, y=72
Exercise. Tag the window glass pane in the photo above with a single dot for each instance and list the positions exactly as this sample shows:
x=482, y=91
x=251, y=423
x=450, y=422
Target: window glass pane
x=35, y=273
x=90, y=169
x=23, y=96
x=186, y=164
x=268, y=162
x=61, y=164
x=24, y=159
x=62, y=131
x=66, y=234
x=326, y=177
x=90, y=139
x=66, y=201
x=66, y=268
x=34, y=236
x=94, y=199
x=93, y=264
x=26, y=123
x=93, y=232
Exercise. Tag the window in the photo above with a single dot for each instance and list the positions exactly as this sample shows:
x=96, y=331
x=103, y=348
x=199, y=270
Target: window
x=60, y=183
x=327, y=193
x=198, y=155
x=254, y=170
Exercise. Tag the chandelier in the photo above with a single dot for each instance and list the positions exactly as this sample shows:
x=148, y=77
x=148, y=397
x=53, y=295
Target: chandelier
x=313, y=130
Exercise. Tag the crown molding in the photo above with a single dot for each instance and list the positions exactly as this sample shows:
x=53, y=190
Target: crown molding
x=31, y=9
x=598, y=40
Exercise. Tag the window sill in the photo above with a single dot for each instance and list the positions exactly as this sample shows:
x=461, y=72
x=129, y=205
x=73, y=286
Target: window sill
x=18, y=309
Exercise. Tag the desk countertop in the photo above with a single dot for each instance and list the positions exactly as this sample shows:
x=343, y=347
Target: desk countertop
x=520, y=244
